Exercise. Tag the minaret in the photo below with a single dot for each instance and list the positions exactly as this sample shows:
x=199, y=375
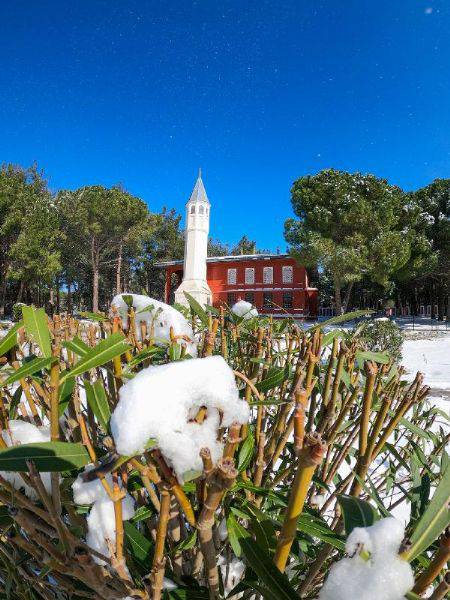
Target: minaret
x=196, y=247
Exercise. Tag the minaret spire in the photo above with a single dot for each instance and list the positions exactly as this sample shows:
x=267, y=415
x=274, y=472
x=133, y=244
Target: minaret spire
x=196, y=247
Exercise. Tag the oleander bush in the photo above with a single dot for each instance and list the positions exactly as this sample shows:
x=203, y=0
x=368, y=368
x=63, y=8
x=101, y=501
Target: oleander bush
x=382, y=335
x=336, y=440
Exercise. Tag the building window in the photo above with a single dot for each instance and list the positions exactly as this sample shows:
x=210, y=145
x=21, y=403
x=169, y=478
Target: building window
x=267, y=298
x=250, y=297
x=231, y=299
x=231, y=276
x=202, y=209
x=288, y=274
x=193, y=209
x=250, y=275
x=287, y=299
x=268, y=275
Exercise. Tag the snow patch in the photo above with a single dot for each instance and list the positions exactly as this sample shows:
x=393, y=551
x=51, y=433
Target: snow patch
x=385, y=575
x=160, y=316
x=101, y=520
x=244, y=310
x=22, y=432
x=161, y=402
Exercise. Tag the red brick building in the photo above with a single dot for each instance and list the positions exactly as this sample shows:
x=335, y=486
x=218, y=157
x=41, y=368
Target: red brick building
x=274, y=283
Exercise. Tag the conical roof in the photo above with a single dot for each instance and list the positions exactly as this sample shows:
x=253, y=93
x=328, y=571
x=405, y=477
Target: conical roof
x=199, y=192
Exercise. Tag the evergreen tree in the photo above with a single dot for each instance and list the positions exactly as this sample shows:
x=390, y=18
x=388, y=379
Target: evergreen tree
x=350, y=225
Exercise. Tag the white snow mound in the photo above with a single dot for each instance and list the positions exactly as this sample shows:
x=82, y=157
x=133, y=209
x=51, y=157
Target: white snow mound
x=158, y=315
x=22, y=432
x=161, y=402
x=385, y=575
x=101, y=520
x=244, y=309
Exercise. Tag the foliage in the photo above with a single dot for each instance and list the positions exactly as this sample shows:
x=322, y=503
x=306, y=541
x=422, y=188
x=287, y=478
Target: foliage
x=380, y=335
x=351, y=225
x=385, y=449
x=17, y=311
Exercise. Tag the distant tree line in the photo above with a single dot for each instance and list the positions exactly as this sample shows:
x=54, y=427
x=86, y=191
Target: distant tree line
x=372, y=241
x=75, y=249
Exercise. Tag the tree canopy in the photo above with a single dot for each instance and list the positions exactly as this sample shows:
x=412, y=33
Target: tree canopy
x=351, y=225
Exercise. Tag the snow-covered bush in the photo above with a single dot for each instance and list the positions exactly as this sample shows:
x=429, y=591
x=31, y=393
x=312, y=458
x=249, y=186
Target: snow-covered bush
x=272, y=464
x=244, y=309
x=381, y=335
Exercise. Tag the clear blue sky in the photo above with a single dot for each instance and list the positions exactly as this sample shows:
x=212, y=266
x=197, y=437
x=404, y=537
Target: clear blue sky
x=257, y=93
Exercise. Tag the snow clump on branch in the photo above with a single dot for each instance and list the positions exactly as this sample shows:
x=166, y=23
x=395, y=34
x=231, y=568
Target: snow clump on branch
x=159, y=316
x=161, y=403
x=101, y=519
x=244, y=310
x=384, y=575
x=21, y=432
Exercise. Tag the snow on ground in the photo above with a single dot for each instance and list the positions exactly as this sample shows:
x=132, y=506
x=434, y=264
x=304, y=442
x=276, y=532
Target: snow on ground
x=431, y=357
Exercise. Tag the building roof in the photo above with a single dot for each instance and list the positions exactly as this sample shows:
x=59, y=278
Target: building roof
x=199, y=192
x=230, y=258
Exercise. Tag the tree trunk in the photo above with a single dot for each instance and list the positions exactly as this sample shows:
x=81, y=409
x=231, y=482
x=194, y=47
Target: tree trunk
x=119, y=270
x=58, y=297
x=69, y=297
x=337, y=298
x=347, y=297
x=3, y=296
x=95, y=275
x=20, y=292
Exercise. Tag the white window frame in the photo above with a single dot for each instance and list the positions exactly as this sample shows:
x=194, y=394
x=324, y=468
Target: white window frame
x=268, y=275
x=249, y=275
x=232, y=276
x=287, y=274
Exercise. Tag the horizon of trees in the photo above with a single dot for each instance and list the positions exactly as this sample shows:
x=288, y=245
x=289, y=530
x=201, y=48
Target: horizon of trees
x=75, y=249
x=372, y=240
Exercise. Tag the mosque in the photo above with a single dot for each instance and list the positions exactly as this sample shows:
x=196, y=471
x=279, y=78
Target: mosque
x=274, y=283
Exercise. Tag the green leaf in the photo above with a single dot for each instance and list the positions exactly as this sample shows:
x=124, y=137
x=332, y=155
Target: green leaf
x=105, y=351
x=341, y=319
x=356, y=512
x=36, y=325
x=329, y=337
x=29, y=368
x=263, y=566
x=275, y=377
x=47, y=456
x=187, y=543
x=97, y=400
x=138, y=545
x=65, y=393
x=233, y=534
x=77, y=346
x=193, y=593
x=378, y=357
x=128, y=299
x=93, y=316
x=246, y=451
x=143, y=355
x=142, y=513
x=433, y=521
x=197, y=309
x=316, y=527
x=10, y=339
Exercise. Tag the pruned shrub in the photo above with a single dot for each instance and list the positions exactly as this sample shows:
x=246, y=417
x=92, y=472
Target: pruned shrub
x=270, y=465
x=380, y=335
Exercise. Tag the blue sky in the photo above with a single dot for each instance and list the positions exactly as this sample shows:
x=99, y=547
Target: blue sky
x=257, y=93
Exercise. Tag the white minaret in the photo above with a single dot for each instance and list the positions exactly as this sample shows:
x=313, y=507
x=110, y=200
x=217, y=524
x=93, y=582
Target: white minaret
x=196, y=247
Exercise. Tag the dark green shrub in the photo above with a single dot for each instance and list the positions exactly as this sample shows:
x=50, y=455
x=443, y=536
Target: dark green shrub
x=382, y=335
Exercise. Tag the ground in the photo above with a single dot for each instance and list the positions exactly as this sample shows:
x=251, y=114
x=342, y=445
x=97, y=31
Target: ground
x=432, y=358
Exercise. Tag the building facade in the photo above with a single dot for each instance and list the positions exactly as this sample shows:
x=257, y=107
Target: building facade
x=274, y=283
